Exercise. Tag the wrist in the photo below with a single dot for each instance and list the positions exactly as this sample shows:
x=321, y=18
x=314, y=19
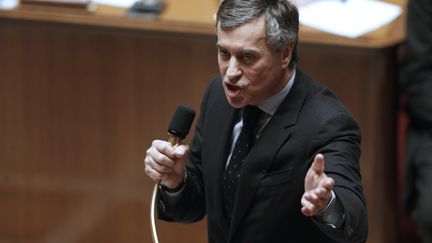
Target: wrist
x=178, y=187
x=329, y=203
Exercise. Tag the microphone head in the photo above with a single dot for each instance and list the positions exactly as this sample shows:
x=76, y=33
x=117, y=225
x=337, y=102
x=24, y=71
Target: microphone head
x=181, y=121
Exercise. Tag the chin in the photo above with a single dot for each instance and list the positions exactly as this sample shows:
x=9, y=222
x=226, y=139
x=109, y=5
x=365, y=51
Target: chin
x=235, y=104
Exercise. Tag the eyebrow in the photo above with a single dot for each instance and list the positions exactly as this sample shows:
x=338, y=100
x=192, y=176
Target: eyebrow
x=248, y=52
x=242, y=51
x=219, y=46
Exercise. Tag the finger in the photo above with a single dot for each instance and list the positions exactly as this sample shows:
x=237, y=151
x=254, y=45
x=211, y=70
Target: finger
x=153, y=174
x=311, y=196
x=306, y=211
x=318, y=164
x=319, y=202
x=324, y=188
x=308, y=208
x=306, y=197
x=304, y=201
x=327, y=183
x=163, y=147
x=161, y=168
x=322, y=193
x=156, y=155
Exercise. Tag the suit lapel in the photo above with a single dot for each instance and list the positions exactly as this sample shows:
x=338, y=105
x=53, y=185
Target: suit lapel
x=263, y=152
x=222, y=125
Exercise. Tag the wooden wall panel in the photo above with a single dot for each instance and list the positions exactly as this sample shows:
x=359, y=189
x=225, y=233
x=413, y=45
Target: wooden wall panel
x=79, y=106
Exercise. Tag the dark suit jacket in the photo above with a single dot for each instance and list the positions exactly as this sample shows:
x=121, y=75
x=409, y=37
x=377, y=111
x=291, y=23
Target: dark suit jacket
x=267, y=210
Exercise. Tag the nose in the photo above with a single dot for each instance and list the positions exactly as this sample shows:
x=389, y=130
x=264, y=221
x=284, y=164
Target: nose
x=233, y=71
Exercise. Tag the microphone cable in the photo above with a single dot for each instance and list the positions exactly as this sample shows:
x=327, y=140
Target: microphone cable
x=178, y=128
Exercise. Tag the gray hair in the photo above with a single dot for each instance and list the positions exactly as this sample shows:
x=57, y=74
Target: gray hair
x=281, y=20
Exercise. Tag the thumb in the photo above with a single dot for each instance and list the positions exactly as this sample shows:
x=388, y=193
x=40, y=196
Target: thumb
x=181, y=151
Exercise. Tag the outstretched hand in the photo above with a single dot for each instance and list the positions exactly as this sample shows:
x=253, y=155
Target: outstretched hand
x=318, y=188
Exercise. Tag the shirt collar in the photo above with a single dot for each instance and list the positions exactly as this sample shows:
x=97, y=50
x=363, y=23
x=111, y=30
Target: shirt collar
x=271, y=104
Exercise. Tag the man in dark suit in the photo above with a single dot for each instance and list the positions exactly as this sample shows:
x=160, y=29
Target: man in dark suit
x=275, y=156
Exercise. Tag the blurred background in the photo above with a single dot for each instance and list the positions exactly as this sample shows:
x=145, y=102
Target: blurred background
x=86, y=86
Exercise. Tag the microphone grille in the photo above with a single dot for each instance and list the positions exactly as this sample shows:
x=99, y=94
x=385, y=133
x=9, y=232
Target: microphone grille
x=181, y=121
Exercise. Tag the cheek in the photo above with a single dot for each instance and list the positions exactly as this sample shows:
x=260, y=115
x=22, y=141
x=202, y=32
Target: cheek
x=222, y=67
x=254, y=83
x=255, y=78
x=260, y=83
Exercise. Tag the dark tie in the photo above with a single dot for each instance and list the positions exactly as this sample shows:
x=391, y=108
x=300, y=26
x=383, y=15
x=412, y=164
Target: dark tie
x=242, y=146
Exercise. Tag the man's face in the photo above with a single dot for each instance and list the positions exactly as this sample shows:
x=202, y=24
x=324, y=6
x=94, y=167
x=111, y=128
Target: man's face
x=251, y=70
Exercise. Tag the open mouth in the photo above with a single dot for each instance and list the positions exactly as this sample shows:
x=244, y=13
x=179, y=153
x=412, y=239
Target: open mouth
x=231, y=87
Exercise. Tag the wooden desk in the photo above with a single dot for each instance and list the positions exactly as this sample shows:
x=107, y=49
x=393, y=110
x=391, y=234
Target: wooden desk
x=83, y=94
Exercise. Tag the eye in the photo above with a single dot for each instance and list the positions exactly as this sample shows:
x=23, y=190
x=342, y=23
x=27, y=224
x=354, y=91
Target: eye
x=247, y=58
x=223, y=53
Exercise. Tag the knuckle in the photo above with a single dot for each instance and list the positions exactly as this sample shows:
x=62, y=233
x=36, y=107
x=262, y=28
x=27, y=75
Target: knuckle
x=148, y=170
x=148, y=152
x=160, y=158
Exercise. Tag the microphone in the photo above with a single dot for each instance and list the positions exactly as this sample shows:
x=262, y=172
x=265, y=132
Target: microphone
x=178, y=128
x=180, y=124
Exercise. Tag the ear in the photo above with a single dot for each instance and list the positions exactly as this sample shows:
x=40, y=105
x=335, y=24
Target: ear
x=286, y=54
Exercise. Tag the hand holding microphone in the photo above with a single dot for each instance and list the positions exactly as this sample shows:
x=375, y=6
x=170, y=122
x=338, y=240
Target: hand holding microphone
x=166, y=161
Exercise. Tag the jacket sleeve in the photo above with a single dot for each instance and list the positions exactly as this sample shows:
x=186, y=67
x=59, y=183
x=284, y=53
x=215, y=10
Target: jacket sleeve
x=338, y=139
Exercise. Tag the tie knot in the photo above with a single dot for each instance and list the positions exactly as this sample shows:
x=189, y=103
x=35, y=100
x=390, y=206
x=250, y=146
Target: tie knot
x=251, y=115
